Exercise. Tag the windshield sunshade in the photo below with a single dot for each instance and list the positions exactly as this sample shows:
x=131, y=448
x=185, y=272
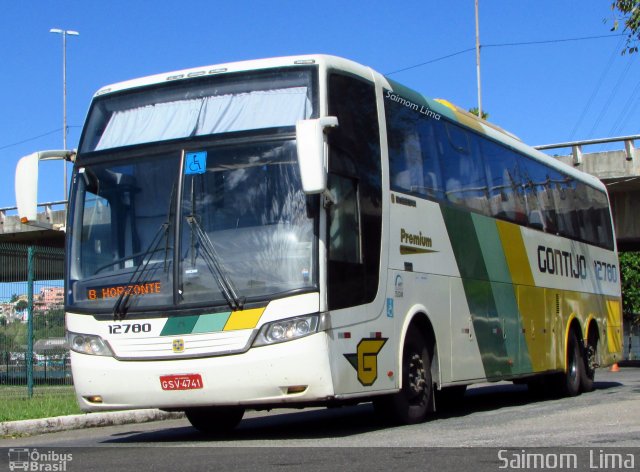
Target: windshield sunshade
x=199, y=107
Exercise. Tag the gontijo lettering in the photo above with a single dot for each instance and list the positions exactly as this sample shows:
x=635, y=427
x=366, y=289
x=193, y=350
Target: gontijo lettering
x=564, y=263
x=114, y=291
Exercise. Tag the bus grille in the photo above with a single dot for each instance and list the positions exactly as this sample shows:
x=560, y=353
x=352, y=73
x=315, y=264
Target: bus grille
x=182, y=346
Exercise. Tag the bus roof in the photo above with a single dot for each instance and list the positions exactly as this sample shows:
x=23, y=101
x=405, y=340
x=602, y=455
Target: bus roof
x=322, y=60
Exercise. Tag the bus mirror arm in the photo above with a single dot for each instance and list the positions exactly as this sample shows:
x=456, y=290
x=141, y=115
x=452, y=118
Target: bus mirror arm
x=26, y=182
x=311, y=146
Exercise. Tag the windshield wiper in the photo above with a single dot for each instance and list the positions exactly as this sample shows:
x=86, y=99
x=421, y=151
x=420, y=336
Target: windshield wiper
x=212, y=260
x=121, y=305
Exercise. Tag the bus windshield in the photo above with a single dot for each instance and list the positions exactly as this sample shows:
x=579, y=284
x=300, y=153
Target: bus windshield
x=243, y=230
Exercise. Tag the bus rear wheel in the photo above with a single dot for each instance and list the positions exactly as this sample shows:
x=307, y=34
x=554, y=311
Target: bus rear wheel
x=414, y=401
x=589, y=370
x=215, y=420
x=572, y=377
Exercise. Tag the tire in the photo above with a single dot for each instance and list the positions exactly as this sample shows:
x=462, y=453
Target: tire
x=589, y=368
x=215, y=420
x=574, y=371
x=413, y=403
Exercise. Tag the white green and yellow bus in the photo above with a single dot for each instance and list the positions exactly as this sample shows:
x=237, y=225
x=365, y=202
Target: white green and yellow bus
x=304, y=231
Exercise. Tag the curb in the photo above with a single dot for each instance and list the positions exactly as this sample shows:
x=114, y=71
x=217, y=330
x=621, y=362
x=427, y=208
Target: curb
x=87, y=420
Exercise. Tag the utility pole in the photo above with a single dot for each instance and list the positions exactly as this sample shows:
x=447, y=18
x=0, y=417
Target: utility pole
x=478, y=61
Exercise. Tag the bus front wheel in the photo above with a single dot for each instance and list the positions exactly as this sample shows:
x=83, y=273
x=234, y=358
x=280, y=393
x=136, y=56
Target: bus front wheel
x=215, y=420
x=414, y=401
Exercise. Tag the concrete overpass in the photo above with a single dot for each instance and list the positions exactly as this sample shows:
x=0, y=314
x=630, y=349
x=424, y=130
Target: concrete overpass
x=48, y=232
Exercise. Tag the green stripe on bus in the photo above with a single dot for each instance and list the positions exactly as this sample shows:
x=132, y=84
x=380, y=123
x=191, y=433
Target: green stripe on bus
x=211, y=323
x=464, y=241
x=504, y=293
x=478, y=290
x=176, y=325
x=491, y=247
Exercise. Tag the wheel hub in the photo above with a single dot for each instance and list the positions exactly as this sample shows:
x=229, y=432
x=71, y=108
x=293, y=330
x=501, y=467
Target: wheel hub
x=417, y=375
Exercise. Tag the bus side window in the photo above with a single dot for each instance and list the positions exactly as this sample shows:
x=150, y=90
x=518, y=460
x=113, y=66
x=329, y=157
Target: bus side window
x=432, y=175
x=601, y=219
x=566, y=208
x=506, y=194
x=462, y=170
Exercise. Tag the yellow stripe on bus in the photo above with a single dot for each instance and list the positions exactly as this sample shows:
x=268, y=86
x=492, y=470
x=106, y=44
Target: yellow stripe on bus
x=245, y=319
x=515, y=253
x=614, y=330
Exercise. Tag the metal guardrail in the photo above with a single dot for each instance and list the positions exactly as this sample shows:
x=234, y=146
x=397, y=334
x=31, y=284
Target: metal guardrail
x=48, y=208
x=32, y=348
x=576, y=146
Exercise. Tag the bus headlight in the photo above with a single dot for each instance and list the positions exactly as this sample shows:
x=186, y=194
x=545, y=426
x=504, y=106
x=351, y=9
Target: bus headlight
x=286, y=330
x=88, y=344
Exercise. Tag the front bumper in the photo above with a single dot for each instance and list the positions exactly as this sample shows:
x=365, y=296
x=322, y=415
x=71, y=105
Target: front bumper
x=260, y=376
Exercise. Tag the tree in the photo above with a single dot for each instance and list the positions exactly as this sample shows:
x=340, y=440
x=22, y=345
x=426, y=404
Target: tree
x=630, y=18
x=630, y=278
x=21, y=305
x=474, y=111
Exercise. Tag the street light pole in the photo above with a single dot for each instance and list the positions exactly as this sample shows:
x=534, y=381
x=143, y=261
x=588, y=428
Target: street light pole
x=64, y=34
x=478, y=61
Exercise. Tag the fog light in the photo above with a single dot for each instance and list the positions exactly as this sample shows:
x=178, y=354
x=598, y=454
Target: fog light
x=94, y=399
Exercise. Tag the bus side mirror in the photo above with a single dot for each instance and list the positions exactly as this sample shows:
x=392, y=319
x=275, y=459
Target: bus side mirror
x=311, y=153
x=26, y=183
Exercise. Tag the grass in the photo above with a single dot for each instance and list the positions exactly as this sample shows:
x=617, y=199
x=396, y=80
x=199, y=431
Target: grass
x=46, y=402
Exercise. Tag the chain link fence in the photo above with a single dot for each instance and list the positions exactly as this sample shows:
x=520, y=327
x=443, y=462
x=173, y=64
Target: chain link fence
x=33, y=351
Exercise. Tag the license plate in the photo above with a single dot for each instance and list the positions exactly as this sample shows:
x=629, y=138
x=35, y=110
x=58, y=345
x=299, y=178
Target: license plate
x=181, y=382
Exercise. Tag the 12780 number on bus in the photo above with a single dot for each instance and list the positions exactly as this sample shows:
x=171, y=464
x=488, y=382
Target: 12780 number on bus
x=129, y=328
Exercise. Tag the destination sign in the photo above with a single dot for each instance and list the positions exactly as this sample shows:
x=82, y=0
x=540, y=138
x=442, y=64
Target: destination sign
x=115, y=291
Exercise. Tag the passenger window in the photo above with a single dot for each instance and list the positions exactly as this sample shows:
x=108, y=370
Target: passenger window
x=506, y=192
x=566, y=208
x=463, y=174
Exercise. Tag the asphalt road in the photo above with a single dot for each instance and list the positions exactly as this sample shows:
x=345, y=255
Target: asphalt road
x=491, y=418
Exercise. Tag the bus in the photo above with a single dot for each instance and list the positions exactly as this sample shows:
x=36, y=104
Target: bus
x=304, y=231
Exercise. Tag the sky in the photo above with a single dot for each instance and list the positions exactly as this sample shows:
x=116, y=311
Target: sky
x=555, y=90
